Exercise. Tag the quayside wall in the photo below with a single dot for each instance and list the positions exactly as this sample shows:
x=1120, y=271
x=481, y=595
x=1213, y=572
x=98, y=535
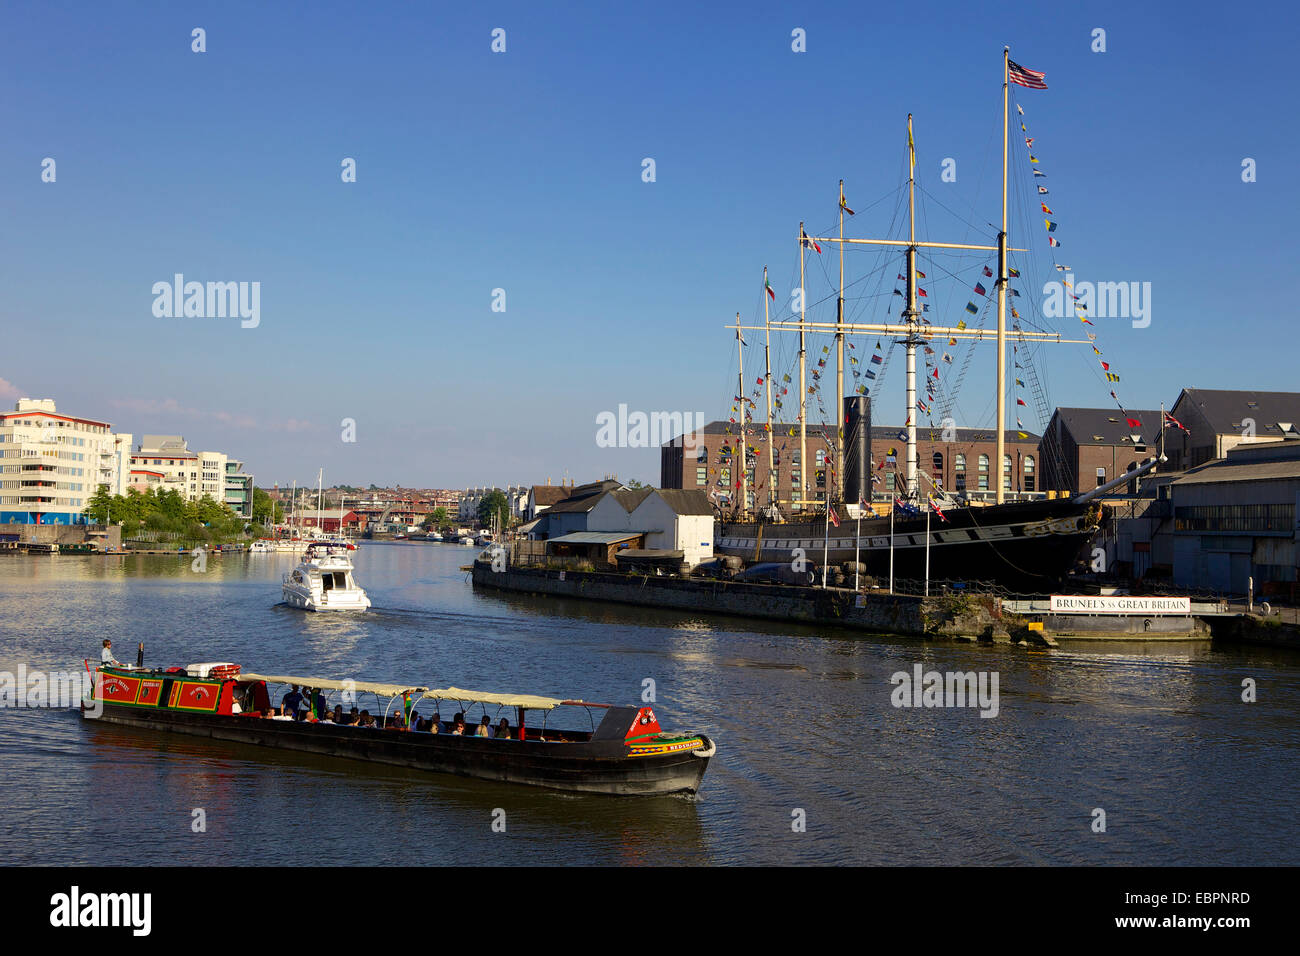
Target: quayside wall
x=941, y=617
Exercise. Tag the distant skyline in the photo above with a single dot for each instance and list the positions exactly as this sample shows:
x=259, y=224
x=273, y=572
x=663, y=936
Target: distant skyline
x=522, y=171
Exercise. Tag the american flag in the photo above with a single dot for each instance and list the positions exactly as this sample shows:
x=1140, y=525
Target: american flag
x=1019, y=75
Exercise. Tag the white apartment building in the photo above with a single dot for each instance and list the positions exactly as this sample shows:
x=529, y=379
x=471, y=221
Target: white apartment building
x=51, y=464
x=165, y=463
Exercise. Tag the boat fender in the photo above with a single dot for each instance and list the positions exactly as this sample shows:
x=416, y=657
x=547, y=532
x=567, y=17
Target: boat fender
x=707, y=751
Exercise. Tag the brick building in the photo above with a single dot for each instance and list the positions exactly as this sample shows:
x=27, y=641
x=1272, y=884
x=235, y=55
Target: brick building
x=1086, y=447
x=707, y=459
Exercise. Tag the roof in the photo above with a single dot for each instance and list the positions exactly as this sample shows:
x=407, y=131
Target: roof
x=1272, y=461
x=548, y=494
x=631, y=498
x=325, y=683
x=1107, y=426
x=585, y=497
x=596, y=537
x=1225, y=409
x=527, y=701
x=694, y=501
x=63, y=418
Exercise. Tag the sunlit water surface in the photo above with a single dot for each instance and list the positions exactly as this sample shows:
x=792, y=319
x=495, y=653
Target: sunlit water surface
x=1154, y=734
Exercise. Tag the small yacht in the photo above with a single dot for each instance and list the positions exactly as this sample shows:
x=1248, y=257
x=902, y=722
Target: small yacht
x=323, y=580
x=433, y=536
x=262, y=546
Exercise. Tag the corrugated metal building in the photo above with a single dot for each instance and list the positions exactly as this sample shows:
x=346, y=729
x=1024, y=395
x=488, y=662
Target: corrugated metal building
x=1235, y=518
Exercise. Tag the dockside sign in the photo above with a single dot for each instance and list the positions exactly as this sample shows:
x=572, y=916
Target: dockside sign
x=1119, y=604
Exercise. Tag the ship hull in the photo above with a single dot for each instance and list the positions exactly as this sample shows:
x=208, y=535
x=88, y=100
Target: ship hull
x=598, y=766
x=1027, y=547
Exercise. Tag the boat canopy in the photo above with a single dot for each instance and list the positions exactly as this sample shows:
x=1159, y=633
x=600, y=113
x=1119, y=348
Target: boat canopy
x=526, y=701
x=324, y=683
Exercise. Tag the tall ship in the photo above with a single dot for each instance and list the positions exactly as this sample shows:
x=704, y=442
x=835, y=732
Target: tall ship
x=892, y=516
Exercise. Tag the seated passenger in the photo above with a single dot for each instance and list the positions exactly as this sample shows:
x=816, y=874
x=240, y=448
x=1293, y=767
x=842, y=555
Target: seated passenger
x=290, y=701
x=365, y=720
x=459, y=727
x=484, y=727
x=503, y=730
x=435, y=723
x=354, y=718
x=338, y=714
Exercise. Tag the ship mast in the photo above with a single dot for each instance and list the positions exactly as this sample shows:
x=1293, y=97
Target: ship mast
x=803, y=386
x=999, y=494
x=839, y=363
x=740, y=397
x=911, y=314
x=767, y=380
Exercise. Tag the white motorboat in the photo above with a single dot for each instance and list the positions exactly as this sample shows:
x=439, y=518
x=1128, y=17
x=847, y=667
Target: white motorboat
x=323, y=580
x=433, y=536
x=262, y=546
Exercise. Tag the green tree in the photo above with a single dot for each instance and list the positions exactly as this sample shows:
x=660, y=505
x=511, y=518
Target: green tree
x=494, y=504
x=266, y=510
x=99, y=507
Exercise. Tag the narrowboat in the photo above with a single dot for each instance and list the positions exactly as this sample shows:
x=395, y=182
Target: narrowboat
x=625, y=753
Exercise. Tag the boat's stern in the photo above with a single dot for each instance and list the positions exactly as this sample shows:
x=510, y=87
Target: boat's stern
x=669, y=762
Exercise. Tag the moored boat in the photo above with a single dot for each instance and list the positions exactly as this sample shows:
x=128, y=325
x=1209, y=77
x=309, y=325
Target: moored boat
x=626, y=753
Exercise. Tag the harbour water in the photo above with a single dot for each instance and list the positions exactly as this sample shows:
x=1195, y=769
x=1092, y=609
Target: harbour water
x=1155, y=735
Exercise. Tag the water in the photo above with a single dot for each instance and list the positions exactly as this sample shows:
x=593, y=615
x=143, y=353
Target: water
x=1154, y=734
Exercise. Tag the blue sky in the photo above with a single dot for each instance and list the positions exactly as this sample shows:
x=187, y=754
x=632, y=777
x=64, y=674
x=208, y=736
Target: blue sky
x=522, y=171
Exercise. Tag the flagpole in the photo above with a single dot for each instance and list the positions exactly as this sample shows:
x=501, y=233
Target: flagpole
x=744, y=443
x=803, y=386
x=1162, y=431
x=927, y=552
x=857, y=544
x=998, y=496
x=767, y=379
x=893, y=506
x=826, y=545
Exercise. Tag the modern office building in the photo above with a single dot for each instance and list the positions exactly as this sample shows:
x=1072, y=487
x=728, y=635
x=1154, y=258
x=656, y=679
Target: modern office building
x=239, y=489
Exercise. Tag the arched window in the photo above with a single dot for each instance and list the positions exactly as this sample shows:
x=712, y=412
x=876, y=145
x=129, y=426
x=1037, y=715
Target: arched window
x=1006, y=472
x=1029, y=472
x=702, y=453
x=984, y=472
x=1101, y=477
x=959, y=469
x=938, y=463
